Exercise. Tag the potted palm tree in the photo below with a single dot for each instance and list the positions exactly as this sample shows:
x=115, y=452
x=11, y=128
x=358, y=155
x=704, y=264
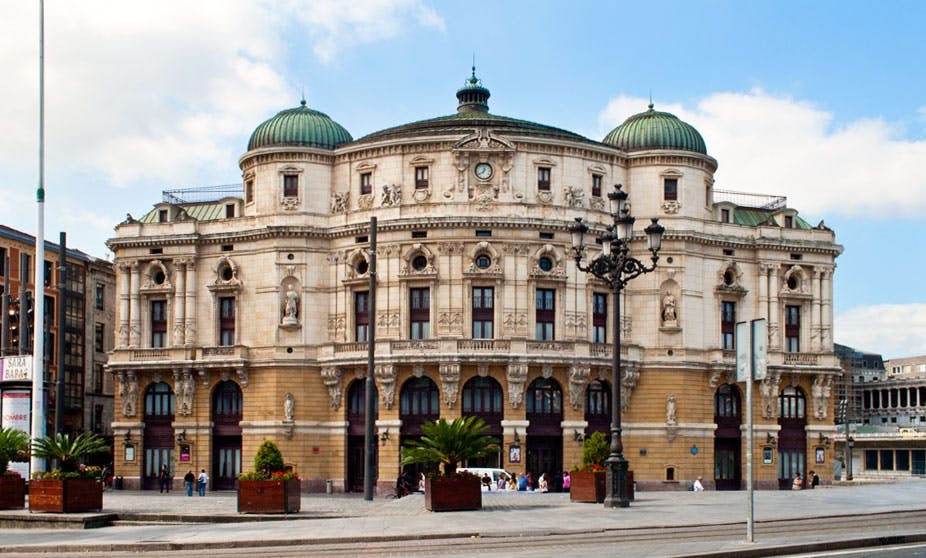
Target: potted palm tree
x=449, y=444
x=269, y=488
x=71, y=487
x=588, y=482
x=14, y=445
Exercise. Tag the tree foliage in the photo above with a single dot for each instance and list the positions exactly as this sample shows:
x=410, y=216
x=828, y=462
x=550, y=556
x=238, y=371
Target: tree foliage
x=269, y=458
x=595, y=450
x=13, y=442
x=69, y=452
x=450, y=443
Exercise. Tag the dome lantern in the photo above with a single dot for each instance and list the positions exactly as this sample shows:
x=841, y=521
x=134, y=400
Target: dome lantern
x=473, y=96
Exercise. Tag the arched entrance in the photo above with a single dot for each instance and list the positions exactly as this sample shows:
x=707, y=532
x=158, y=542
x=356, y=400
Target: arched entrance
x=419, y=402
x=226, y=435
x=356, y=430
x=482, y=397
x=727, y=438
x=598, y=407
x=159, y=433
x=545, y=431
x=792, y=438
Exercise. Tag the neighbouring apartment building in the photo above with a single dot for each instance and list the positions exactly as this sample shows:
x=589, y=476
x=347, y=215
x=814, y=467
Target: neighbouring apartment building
x=244, y=313
x=86, y=331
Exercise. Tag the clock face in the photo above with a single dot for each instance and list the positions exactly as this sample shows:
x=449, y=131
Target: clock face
x=483, y=171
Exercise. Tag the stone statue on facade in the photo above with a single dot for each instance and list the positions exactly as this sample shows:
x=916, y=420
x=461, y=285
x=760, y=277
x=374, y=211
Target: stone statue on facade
x=670, y=410
x=289, y=407
x=291, y=306
x=669, y=315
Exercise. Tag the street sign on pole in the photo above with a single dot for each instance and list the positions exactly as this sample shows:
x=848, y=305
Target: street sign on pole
x=743, y=351
x=759, y=349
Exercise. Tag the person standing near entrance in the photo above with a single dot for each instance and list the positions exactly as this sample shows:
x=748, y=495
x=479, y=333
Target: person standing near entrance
x=797, y=483
x=202, y=482
x=188, y=480
x=164, y=479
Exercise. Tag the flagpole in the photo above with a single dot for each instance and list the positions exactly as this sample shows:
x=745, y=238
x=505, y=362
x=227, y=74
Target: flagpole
x=38, y=353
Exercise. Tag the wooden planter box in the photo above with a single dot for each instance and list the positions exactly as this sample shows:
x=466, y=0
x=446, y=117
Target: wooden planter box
x=65, y=495
x=269, y=496
x=588, y=487
x=12, y=492
x=453, y=493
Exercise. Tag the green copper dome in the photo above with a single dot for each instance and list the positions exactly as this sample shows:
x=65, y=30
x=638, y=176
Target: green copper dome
x=656, y=130
x=300, y=126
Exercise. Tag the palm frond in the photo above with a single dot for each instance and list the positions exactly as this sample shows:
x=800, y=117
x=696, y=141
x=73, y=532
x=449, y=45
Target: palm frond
x=450, y=443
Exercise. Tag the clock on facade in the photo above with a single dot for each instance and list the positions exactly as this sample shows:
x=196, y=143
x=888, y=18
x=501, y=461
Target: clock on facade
x=483, y=171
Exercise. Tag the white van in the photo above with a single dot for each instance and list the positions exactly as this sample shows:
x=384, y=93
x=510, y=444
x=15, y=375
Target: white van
x=494, y=474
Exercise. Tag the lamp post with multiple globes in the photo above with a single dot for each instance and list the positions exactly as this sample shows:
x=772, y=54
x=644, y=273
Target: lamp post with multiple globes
x=616, y=267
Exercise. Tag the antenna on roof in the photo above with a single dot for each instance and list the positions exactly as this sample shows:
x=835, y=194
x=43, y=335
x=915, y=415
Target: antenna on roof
x=651, y=99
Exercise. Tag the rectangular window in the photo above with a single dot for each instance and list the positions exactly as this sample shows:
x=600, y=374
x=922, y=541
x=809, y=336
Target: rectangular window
x=599, y=318
x=362, y=316
x=483, y=312
x=670, y=189
x=421, y=177
x=596, y=185
x=249, y=191
x=229, y=210
x=158, y=323
x=545, y=316
x=419, y=314
x=290, y=185
x=3, y=262
x=100, y=295
x=543, y=179
x=725, y=215
x=227, y=321
x=792, y=329
x=98, y=378
x=728, y=325
x=48, y=270
x=98, y=338
x=366, y=183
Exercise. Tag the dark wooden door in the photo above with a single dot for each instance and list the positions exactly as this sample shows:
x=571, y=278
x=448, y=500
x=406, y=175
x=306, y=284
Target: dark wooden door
x=545, y=455
x=727, y=438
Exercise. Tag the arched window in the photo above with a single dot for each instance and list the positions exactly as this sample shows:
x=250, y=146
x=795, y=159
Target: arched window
x=159, y=401
x=598, y=407
x=482, y=396
x=419, y=403
x=544, y=397
x=226, y=402
x=792, y=404
x=726, y=402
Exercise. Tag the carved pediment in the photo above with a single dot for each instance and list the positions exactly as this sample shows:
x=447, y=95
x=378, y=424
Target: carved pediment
x=483, y=140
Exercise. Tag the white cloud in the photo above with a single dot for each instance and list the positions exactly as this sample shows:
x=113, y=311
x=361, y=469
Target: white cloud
x=893, y=330
x=777, y=145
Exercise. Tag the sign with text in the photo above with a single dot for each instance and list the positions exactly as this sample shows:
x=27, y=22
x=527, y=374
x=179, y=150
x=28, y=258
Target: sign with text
x=15, y=409
x=759, y=349
x=743, y=351
x=16, y=369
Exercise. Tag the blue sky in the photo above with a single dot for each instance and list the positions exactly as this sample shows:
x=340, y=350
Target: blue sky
x=819, y=101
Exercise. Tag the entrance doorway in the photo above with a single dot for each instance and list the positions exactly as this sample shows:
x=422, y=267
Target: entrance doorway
x=792, y=438
x=356, y=427
x=727, y=438
x=226, y=435
x=545, y=432
x=159, y=434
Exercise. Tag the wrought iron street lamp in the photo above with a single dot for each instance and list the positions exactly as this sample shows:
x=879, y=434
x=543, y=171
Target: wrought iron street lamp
x=616, y=267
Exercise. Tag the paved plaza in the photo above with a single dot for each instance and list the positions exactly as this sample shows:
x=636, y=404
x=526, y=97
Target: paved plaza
x=147, y=519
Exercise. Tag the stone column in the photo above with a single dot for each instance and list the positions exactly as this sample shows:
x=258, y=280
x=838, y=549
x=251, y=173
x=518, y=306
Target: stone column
x=189, y=333
x=180, y=303
x=774, y=337
x=816, y=323
x=763, y=291
x=135, y=304
x=125, y=284
x=826, y=311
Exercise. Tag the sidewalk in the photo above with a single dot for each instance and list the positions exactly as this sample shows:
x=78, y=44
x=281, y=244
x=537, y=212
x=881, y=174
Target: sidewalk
x=147, y=519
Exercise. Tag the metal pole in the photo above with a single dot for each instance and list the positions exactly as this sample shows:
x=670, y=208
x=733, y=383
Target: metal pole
x=369, y=440
x=616, y=496
x=38, y=374
x=848, y=438
x=5, y=333
x=750, y=441
x=59, y=386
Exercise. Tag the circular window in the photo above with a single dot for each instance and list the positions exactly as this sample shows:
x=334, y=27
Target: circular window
x=728, y=278
x=545, y=263
x=159, y=278
x=483, y=261
x=362, y=267
x=226, y=273
x=793, y=283
x=419, y=263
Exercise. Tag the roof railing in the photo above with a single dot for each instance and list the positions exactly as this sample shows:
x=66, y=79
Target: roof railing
x=202, y=194
x=746, y=199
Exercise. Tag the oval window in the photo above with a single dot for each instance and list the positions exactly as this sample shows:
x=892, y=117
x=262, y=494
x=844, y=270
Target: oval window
x=728, y=278
x=419, y=263
x=159, y=278
x=362, y=267
x=793, y=283
x=483, y=261
x=227, y=273
x=545, y=263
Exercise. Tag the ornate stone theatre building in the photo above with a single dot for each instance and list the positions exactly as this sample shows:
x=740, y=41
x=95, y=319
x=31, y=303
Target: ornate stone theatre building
x=243, y=313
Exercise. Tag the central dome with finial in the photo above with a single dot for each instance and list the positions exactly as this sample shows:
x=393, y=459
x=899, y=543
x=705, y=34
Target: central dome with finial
x=473, y=96
x=656, y=130
x=300, y=127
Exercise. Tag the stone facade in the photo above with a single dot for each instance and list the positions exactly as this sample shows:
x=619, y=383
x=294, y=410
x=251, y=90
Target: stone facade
x=472, y=218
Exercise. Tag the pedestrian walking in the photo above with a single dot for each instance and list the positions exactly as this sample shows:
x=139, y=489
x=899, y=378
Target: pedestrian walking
x=164, y=479
x=814, y=480
x=697, y=486
x=797, y=483
x=567, y=481
x=188, y=480
x=202, y=482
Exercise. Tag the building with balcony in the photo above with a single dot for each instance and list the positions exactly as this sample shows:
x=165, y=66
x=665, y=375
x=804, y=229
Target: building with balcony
x=244, y=313
x=86, y=330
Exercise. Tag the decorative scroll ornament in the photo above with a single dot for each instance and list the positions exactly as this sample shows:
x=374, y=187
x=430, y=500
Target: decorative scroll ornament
x=578, y=378
x=517, y=376
x=450, y=382
x=331, y=377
